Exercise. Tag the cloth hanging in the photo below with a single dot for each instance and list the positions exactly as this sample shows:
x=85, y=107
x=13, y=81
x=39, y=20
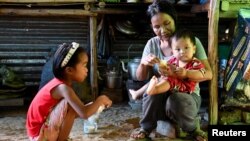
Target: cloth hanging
x=240, y=53
x=105, y=40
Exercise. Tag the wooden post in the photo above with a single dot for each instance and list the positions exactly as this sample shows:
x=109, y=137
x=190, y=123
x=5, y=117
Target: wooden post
x=93, y=54
x=213, y=59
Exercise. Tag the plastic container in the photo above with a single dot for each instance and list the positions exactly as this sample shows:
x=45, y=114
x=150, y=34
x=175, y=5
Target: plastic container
x=90, y=125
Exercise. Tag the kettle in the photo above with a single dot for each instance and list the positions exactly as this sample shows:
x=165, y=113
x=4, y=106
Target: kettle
x=132, y=67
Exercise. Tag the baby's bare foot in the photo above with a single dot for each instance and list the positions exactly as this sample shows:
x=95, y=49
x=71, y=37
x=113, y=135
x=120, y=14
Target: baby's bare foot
x=151, y=85
x=246, y=74
x=133, y=94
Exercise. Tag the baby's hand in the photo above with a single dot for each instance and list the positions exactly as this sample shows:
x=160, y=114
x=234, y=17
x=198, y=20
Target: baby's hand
x=167, y=70
x=181, y=72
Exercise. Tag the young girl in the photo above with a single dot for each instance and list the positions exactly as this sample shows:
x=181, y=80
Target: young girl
x=52, y=112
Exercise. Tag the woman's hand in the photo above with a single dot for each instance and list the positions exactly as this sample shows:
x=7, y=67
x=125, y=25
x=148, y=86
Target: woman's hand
x=145, y=66
x=150, y=60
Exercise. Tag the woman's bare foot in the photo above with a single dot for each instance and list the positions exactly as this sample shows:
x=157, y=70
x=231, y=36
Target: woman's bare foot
x=135, y=95
x=139, y=134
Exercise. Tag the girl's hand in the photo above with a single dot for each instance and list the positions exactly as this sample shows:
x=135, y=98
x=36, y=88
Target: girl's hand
x=150, y=60
x=181, y=72
x=104, y=100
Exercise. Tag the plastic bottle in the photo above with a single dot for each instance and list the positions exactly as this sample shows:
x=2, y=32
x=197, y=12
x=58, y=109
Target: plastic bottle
x=90, y=125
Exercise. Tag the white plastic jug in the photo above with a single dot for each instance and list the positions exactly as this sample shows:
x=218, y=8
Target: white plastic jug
x=90, y=125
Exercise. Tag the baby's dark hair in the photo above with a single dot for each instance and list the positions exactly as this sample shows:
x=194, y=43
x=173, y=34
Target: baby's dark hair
x=162, y=6
x=184, y=33
x=59, y=56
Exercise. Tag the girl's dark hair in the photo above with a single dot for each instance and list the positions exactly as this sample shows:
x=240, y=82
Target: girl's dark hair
x=184, y=33
x=162, y=6
x=59, y=56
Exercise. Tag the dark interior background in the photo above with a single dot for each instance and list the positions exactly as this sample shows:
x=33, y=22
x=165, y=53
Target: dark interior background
x=26, y=42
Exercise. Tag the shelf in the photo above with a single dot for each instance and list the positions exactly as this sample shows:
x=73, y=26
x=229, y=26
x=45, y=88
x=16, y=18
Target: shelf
x=119, y=8
x=45, y=1
x=114, y=11
x=230, y=10
x=141, y=7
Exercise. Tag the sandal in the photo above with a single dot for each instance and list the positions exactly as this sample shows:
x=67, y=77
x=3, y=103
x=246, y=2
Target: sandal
x=180, y=133
x=139, y=134
x=200, y=135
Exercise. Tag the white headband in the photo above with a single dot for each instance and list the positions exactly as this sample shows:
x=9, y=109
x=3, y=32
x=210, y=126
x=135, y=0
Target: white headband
x=69, y=54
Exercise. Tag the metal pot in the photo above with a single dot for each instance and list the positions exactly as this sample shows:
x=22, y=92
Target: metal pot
x=127, y=27
x=113, y=80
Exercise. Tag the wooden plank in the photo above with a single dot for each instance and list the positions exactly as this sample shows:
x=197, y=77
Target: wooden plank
x=229, y=14
x=213, y=60
x=45, y=1
x=230, y=10
x=233, y=6
x=114, y=11
x=45, y=12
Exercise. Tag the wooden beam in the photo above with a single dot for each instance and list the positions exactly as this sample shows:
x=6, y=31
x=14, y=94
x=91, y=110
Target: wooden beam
x=231, y=10
x=229, y=14
x=45, y=1
x=213, y=60
x=233, y=6
x=45, y=12
x=114, y=11
x=93, y=56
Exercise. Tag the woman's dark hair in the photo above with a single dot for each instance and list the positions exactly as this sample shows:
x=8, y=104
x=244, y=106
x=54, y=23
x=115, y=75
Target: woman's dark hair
x=59, y=56
x=162, y=6
x=184, y=33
